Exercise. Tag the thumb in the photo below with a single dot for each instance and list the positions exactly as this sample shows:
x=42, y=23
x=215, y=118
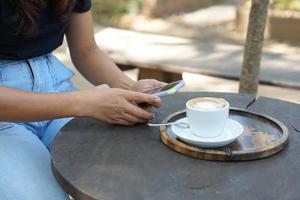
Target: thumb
x=103, y=86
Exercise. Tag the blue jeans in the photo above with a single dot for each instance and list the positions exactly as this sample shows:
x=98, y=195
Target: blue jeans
x=25, y=163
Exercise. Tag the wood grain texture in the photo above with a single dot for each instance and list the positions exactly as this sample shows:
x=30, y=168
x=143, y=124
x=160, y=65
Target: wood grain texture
x=263, y=136
x=94, y=160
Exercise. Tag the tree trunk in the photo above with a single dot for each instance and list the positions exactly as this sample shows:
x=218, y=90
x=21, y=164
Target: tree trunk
x=249, y=80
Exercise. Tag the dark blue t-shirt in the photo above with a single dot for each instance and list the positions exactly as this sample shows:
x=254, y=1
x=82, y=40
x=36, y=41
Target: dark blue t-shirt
x=49, y=35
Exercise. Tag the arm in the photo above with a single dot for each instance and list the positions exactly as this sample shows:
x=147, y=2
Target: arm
x=18, y=105
x=90, y=61
x=107, y=104
x=102, y=103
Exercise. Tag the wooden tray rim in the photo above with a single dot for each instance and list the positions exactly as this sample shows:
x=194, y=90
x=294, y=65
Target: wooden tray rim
x=275, y=148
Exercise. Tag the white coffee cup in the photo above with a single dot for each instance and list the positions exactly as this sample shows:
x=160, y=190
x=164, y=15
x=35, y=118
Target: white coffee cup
x=207, y=116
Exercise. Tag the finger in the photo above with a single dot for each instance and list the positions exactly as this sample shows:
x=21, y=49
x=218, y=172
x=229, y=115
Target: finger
x=132, y=119
x=143, y=98
x=139, y=112
x=151, y=85
x=159, y=83
x=145, y=106
x=156, y=104
x=148, y=106
x=103, y=86
x=154, y=83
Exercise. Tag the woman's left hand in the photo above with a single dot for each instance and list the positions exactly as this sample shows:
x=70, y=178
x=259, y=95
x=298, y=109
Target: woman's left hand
x=146, y=84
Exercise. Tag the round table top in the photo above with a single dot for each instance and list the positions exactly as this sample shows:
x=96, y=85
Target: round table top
x=94, y=160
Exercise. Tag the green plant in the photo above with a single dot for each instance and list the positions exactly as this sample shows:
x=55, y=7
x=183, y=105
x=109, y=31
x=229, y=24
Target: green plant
x=109, y=11
x=287, y=4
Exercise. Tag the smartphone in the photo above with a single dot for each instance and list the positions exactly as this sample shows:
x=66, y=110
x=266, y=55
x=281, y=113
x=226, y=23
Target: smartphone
x=167, y=90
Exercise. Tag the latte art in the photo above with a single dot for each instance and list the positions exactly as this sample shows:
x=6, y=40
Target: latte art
x=207, y=104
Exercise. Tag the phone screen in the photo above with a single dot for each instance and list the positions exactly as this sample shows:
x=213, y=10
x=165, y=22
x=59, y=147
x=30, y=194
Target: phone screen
x=161, y=89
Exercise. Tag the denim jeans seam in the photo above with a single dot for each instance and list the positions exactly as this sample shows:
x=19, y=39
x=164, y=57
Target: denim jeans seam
x=32, y=77
x=2, y=78
x=49, y=64
x=5, y=126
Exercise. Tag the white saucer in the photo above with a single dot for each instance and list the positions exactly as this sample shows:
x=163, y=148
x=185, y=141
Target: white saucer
x=231, y=132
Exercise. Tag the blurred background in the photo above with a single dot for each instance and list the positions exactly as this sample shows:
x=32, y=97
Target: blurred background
x=200, y=40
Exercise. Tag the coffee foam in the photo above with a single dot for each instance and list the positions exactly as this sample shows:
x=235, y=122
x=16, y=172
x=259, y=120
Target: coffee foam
x=207, y=104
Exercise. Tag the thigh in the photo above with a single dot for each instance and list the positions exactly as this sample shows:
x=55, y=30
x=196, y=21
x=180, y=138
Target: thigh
x=25, y=166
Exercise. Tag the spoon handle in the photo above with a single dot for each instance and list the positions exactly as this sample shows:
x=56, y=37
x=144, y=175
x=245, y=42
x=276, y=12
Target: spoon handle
x=168, y=124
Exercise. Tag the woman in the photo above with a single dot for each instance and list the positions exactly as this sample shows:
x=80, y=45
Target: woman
x=37, y=98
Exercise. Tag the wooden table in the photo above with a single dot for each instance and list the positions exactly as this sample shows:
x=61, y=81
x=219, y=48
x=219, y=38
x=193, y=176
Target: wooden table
x=93, y=160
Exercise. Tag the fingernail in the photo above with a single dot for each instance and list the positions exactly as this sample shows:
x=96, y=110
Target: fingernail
x=157, y=99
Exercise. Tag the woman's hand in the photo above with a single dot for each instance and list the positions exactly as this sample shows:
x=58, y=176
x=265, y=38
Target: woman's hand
x=146, y=84
x=116, y=106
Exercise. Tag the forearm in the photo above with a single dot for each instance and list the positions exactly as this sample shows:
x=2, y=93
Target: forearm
x=20, y=106
x=98, y=68
x=90, y=61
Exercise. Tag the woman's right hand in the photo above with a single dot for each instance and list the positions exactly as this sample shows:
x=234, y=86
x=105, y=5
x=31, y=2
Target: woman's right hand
x=116, y=106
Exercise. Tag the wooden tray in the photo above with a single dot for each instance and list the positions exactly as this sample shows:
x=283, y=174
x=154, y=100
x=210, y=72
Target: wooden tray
x=263, y=136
